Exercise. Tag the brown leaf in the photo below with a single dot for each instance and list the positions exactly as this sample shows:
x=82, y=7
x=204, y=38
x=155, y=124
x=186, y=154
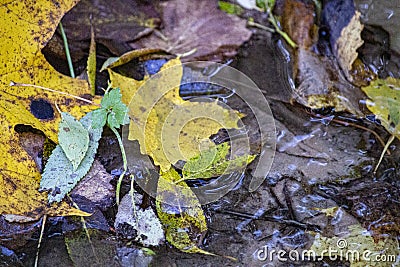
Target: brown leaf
x=197, y=25
x=116, y=21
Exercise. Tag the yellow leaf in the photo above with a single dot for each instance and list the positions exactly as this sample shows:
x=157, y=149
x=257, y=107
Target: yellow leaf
x=167, y=127
x=385, y=103
x=30, y=24
x=180, y=212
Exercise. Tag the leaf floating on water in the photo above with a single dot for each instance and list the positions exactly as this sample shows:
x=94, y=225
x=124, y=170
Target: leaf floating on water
x=214, y=162
x=73, y=139
x=59, y=176
x=180, y=212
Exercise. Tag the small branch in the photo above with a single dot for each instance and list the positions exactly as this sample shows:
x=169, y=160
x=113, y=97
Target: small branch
x=40, y=240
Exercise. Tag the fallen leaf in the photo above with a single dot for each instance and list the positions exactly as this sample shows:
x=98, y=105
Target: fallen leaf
x=356, y=241
x=198, y=25
x=180, y=212
x=73, y=139
x=139, y=224
x=60, y=176
x=91, y=63
x=114, y=23
x=214, y=162
x=30, y=26
x=168, y=128
x=384, y=103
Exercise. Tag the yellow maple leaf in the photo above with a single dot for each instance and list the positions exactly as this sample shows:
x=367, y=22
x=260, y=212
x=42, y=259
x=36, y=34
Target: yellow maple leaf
x=27, y=26
x=167, y=127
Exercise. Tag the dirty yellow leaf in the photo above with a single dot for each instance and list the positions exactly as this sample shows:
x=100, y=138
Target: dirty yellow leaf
x=180, y=212
x=30, y=24
x=167, y=127
x=385, y=103
x=357, y=246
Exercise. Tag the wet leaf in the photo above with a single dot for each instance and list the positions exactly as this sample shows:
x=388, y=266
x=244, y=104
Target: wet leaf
x=114, y=23
x=214, y=162
x=385, y=103
x=59, y=176
x=180, y=212
x=168, y=128
x=198, y=25
x=30, y=26
x=356, y=241
x=73, y=139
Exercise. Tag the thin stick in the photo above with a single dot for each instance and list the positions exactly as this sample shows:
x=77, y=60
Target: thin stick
x=67, y=54
x=54, y=91
x=121, y=146
x=40, y=240
x=383, y=152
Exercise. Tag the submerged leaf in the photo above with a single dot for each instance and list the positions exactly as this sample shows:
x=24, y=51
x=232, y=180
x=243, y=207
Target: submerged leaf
x=30, y=24
x=213, y=162
x=73, y=139
x=180, y=212
x=59, y=176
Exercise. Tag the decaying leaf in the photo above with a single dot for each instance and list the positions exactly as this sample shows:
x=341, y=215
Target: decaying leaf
x=198, y=25
x=30, y=25
x=73, y=139
x=180, y=212
x=357, y=246
x=60, y=176
x=168, y=128
x=214, y=162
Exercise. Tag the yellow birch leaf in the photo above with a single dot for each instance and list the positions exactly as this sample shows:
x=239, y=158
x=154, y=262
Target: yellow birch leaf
x=180, y=212
x=30, y=24
x=167, y=127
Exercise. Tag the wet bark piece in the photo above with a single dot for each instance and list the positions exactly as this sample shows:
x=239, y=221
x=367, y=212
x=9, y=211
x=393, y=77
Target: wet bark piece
x=343, y=22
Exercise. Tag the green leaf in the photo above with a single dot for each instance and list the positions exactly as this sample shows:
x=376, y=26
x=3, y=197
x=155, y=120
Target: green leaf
x=230, y=8
x=73, y=139
x=116, y=110
x=180, y=212
x=59, y=176
x=213, y=162
x=99, y=118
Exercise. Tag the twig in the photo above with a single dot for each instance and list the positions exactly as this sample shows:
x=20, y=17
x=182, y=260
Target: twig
x=40, y=240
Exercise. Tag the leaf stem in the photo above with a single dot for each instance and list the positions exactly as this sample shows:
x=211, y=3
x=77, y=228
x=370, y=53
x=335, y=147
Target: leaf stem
x=121, y=146
x=383, y=152
x=67, y=54
x=54, y=91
